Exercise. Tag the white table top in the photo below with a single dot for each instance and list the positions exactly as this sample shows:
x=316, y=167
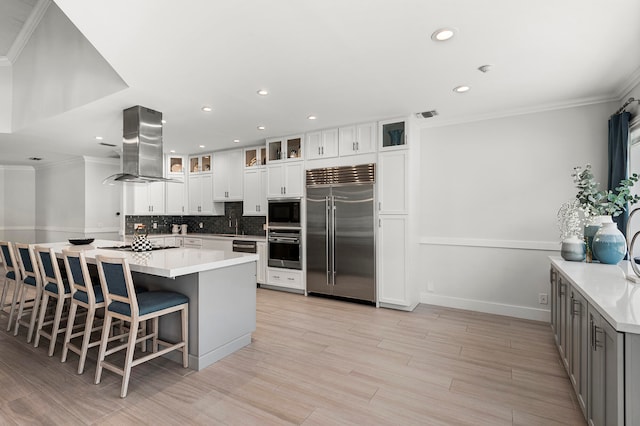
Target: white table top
x=607, y=289
x=169, y=263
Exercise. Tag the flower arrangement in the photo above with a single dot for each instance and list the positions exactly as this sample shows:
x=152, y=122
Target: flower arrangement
x=594, y=202
x=570, y=222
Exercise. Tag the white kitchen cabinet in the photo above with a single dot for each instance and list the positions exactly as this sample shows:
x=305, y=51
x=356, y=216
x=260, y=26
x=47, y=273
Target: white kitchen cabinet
x=286, y=278
x=176, y=166
x=393, y=182
x=285, y=148
x=191, y=242
x=261, y=271
x=393, y=134
x=228, y=175
x=200, y=164
x=145, y=198
x=392, y=263
x=285, y=180
x=176, y=202
x=255, y=192
x=255, y=156
x=322, y=144
x=201, y=195
x=173, y=241
x=358, y=139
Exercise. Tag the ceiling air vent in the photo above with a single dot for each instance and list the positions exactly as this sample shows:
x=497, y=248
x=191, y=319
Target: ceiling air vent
x=427, y=114
x=107, y=144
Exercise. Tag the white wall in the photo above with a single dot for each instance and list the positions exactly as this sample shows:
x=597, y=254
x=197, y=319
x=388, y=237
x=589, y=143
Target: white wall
x=102, y=202
x=6, y=96
x=18, y=203
x=58, y=70
x=490, y=192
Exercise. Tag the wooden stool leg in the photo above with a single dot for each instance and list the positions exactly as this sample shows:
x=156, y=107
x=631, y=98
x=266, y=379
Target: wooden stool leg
x=154, y=330
x=103, y=346
x=86, y=337
x=184, y=316
x=56, y=325
x=67, y=334
x=131, y=346
x=34, y=313
x=43, y=308
x=17, y=289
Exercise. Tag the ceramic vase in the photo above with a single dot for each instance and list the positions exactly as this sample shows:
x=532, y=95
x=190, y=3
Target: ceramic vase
x=609, y=245
x=590, y=232
x=573, y=249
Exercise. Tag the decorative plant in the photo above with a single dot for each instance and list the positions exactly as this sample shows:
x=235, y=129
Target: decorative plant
x=596, y=203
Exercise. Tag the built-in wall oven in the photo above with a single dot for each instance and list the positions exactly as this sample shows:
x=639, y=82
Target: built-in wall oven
x=284, y=248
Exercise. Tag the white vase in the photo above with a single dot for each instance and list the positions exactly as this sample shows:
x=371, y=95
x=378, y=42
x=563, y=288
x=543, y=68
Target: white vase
x=590, y=231
x=573, y=249
x=609, y=245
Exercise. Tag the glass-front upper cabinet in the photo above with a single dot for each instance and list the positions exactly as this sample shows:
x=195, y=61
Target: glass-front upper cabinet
x=200, y=164
x=175, y=164
x=287, y=148
x=255, y=156
x=393, y=134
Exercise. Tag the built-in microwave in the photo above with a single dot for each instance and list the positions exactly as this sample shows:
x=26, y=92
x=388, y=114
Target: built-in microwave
x=284, y=213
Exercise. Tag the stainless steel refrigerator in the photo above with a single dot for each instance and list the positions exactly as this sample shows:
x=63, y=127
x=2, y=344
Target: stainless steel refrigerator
x=341, y=232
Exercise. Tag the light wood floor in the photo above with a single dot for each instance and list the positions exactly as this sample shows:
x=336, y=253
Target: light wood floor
x=315, y=361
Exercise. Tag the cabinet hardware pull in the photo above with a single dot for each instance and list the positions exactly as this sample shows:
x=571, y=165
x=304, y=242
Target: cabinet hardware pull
x=318, y=150
x=597, y=343
x=353, y=146
x=575, y=304
x=379, y=205
x=379, y=223
x=290, y=279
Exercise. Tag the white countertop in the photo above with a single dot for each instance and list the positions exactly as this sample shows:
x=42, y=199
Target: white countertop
x=607, y=289
x=169, y=263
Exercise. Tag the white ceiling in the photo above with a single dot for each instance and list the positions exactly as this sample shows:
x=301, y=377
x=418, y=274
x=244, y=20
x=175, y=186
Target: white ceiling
x=13, y=15
x=343, y=61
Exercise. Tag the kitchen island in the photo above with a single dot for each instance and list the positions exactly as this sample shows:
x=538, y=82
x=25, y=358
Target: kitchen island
x=221, y=287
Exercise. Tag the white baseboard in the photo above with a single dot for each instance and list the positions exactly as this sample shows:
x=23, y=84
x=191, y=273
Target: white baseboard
x=486, y=307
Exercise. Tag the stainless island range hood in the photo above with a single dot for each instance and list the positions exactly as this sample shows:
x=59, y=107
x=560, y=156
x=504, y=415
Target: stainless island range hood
x=142, y=160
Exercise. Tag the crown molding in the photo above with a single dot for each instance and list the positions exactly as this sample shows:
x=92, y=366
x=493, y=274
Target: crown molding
x=62, y=163
x=521, y=111
x=632, y=82
x=27, y=29
x=17, y=168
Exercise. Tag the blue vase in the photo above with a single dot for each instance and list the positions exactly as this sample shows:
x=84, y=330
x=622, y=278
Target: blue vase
x=609, y=245
x=395, y=136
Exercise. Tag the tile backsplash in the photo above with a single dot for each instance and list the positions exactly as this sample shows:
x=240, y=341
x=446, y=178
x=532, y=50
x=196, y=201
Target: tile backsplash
x=248, y=225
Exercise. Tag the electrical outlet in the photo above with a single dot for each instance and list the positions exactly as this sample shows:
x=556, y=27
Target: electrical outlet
x=155, y=225
x=543, y=298
x=201, y=225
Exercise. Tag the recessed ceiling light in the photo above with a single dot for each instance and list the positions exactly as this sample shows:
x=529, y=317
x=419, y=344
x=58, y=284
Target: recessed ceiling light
x=207, y=109
x=201, y=146
x=263, y=92
x=261, y=127
x=172, y=151
x=461, y=89
x=163, y=121
x=236, y=141
x=311, y=117
x=35, y=158
x=98, y=138
x=443, y=34
x=485, y=68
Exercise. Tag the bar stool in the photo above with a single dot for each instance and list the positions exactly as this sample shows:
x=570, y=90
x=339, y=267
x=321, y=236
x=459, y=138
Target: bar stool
x=54, y=286
x=12, y=276
x=123, y=303
x=87, y=295
x=30, y=279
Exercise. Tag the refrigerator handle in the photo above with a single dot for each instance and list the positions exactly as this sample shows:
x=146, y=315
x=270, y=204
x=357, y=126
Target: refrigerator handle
x=326, y=237
x=333, y=239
